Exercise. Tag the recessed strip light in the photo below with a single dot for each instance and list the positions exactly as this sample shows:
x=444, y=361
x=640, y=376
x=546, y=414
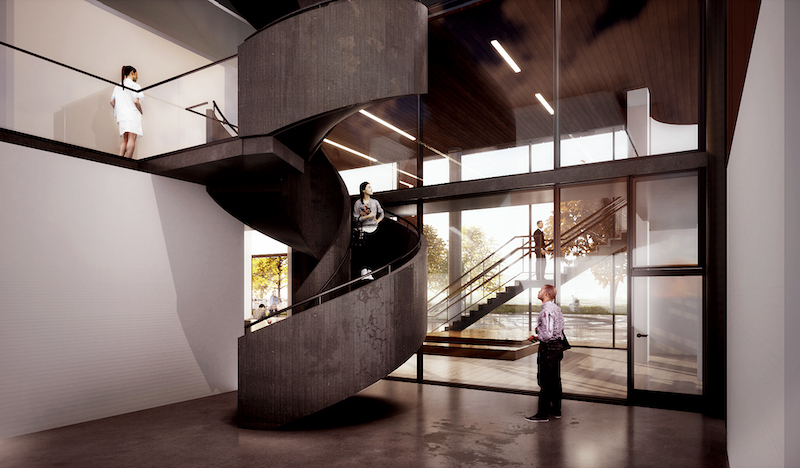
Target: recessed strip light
x=544, y=103
x=407, y=173
x=406, y=184
x=387, y=125
x=505, y=55
x=333, y=143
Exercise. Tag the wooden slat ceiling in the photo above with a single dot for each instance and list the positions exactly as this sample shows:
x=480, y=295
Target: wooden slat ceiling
x=476, y=101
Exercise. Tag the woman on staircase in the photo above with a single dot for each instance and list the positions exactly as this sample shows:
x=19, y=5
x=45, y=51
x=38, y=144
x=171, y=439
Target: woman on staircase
x=367, y=214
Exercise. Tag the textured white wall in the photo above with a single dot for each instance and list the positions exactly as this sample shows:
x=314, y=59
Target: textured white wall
x=119, y=291
x=762, y=224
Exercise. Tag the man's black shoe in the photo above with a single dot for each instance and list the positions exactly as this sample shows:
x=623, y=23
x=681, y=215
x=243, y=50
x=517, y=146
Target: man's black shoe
x=537, y=418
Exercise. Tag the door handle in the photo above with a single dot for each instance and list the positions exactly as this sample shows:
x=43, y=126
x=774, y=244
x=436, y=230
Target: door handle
x=639, y=335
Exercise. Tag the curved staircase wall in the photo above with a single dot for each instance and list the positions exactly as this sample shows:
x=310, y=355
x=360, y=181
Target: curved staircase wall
x=330, y=352
x=334, y=57
x=298, y=78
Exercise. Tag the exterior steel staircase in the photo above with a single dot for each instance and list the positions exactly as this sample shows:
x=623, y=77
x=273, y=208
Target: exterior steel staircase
x=453, y=309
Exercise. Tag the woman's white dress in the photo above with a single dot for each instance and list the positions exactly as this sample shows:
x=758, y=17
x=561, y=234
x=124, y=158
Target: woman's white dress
x=128, y=116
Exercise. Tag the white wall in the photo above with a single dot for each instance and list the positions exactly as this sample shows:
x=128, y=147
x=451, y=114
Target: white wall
x=763, y=263
x=119, y=291
x=55, y=103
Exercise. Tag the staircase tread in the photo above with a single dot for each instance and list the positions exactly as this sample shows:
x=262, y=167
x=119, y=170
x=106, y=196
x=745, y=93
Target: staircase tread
x=476, y=346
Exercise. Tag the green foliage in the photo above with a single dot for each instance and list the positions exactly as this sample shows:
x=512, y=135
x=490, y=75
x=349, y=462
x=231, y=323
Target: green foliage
x=475, y=246
x=269, y=273
x=437, y=258
x=574, y=212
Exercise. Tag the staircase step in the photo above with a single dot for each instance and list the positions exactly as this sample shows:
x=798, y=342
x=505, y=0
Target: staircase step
x=508, y=353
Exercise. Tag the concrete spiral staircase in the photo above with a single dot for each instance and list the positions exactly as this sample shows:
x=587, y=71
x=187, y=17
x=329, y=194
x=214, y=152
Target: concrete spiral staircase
x=298, y=77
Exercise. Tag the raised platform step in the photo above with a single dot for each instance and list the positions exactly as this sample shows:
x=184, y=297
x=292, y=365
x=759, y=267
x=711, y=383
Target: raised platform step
x=484, y=344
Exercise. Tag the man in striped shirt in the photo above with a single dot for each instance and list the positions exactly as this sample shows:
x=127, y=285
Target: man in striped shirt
x=550, y=329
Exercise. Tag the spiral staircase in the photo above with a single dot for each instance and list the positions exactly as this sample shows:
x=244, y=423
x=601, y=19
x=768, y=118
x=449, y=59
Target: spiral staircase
x=299, y=75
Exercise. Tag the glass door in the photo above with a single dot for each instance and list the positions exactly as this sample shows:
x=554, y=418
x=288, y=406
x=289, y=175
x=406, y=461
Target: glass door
x=665, y=332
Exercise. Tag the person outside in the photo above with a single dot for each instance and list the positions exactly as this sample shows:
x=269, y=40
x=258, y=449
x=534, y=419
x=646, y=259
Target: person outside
x=367, y=214
x=127, y=103
x=550, y=329
x=538, y=246
x=273, y=302
x=260, y=313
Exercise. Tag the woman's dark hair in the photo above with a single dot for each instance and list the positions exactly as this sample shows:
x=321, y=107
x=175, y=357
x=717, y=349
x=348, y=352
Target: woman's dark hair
x=126, y=70
x=361, y=189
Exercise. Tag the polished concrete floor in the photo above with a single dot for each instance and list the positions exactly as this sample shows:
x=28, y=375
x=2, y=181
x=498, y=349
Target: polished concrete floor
x=390, y=424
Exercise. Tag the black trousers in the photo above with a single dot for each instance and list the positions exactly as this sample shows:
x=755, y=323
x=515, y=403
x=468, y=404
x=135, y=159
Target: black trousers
x=548, y=363
x=368, y=254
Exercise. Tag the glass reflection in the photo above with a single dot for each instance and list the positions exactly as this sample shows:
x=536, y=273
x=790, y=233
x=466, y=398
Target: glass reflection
x=666, y=221
x=620, y=72
x=667, y=333
x=378, y=145
x=593, y=263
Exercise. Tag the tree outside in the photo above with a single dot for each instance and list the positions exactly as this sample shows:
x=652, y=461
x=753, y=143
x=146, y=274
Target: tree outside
x=573, y=212
x=475, y=247
x=269, y=274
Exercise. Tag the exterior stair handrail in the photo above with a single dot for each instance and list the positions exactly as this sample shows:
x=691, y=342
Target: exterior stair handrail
x=464, y=290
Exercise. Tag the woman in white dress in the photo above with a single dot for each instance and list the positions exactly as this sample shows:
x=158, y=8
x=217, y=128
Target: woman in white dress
x=127, y=104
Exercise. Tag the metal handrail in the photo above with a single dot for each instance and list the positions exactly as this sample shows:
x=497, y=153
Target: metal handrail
x=55, y=62
x=525, y=248
x=486, y=281
x=319, y=296
x=224, y=121
x=448, y=287
x=568, y=236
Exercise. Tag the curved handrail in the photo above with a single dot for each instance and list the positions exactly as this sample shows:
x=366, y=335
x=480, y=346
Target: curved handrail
x=318, y=297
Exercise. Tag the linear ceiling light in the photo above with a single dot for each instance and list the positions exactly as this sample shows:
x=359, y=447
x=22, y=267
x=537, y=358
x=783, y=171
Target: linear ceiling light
x=406, y=184
x=505, y=55
x=544, y=103
x=406, y=173
x=387, y=125
x=333, y=143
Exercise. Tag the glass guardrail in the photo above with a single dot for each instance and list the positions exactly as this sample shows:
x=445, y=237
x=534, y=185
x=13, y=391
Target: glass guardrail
x=46, y=99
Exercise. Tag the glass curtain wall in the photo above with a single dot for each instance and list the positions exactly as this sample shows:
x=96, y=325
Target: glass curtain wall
x=378, y=145
x=628, y=79
x=489, y=66
x=625, y=85
x=593, y=263
x=517, y=87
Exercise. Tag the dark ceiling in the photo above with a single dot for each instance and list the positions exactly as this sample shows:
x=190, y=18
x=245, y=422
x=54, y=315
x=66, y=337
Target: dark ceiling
x=475, y=101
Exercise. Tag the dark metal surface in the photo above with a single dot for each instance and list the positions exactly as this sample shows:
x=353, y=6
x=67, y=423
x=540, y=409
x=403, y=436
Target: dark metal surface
x=298, y=366
x=329, y=60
